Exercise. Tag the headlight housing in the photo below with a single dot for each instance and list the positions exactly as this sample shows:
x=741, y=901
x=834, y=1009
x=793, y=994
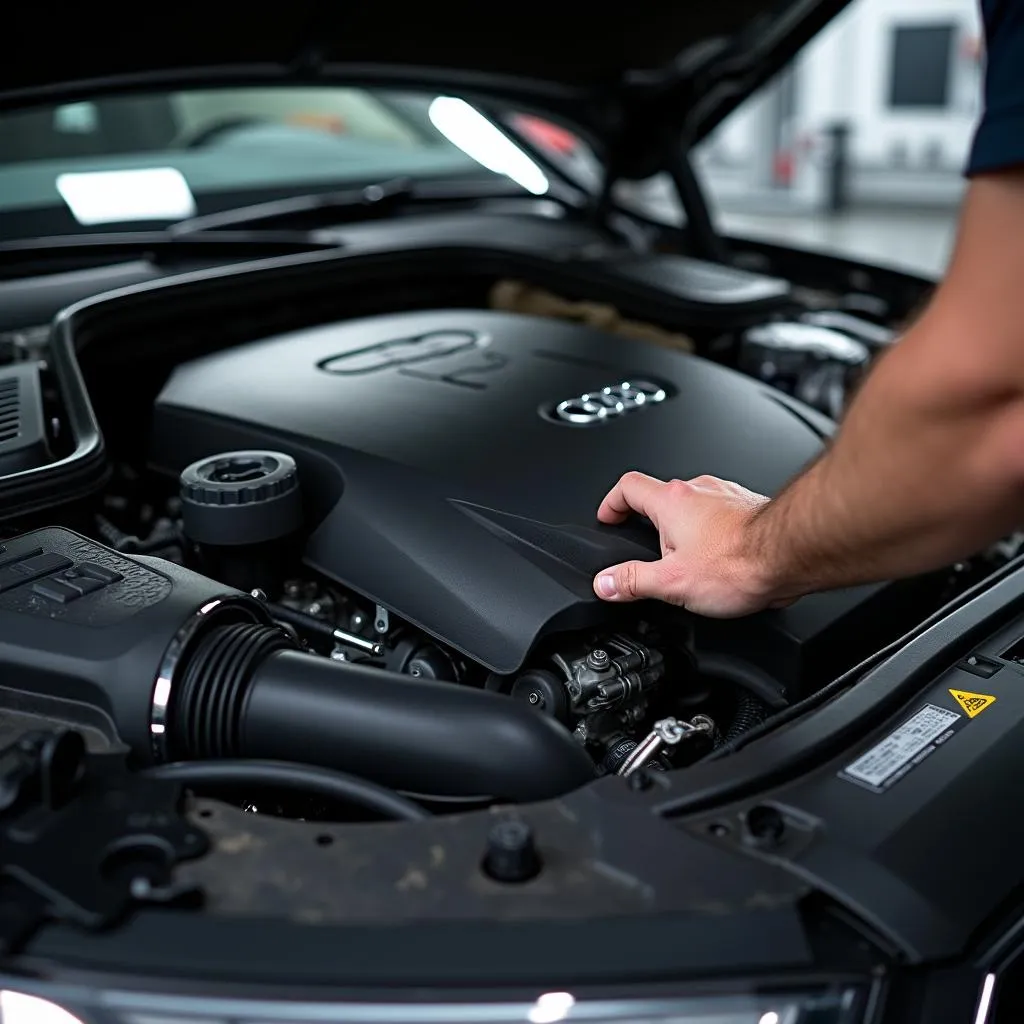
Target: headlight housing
x=827, y=1004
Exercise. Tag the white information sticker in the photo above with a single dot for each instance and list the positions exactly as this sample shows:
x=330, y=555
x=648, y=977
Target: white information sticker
x=906, y=746
x=114, y=197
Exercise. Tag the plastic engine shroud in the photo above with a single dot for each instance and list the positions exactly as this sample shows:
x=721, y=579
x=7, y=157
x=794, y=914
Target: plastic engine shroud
x=440, y=481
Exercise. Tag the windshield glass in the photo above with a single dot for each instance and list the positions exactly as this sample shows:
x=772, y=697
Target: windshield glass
x=131, y=162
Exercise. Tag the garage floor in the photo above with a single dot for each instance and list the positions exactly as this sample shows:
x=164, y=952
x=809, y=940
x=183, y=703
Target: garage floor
x=916, y=240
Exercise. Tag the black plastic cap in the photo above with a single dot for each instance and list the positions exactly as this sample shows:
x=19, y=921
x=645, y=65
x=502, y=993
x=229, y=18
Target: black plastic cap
x=236, y=498
x=511, y=852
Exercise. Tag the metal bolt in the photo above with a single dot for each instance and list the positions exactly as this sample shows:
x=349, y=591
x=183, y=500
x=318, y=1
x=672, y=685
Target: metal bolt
x=534, y=697
x=598, y=659
x=371, y=647
x=258, y=595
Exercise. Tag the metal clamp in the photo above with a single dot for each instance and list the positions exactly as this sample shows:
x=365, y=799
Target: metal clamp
x=667, y=732
x=163, y=685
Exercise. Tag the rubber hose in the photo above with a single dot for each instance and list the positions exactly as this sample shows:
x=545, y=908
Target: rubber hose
x=325, y=782
x=760, y=683
x=750, y=712
x=245, y=694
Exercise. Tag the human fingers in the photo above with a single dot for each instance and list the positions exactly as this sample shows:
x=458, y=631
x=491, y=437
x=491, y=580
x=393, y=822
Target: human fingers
x=632, y=581
x=633, y=492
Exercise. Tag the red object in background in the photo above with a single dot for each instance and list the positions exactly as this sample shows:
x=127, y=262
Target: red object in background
x=971, y=48
x=783, y=167
x=545, y=134
x=330, y=123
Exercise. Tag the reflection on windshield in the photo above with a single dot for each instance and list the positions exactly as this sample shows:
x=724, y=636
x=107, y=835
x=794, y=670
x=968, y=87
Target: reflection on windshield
x=116, y=161
x=468, y=129
x=194, y=120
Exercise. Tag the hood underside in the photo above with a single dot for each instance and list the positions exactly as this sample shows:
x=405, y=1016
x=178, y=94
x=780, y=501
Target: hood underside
x=693, y=60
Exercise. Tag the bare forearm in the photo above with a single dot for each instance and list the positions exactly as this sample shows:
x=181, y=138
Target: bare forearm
x=928, y=466
x=926, y=469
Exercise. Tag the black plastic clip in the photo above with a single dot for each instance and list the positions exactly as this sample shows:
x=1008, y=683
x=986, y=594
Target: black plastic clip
x=83, y=840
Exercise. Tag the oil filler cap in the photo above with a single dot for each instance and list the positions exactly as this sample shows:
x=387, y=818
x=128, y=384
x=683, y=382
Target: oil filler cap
x=245, y=497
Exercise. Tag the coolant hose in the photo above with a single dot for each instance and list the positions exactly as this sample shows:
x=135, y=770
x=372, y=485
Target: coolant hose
x=245, y=697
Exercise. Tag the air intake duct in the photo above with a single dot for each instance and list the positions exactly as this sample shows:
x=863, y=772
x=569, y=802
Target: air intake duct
x=176, y=666
x=243, y=693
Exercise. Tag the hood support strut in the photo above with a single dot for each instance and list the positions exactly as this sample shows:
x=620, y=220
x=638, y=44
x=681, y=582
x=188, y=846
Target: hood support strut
x=669, y=152
x=707, y=243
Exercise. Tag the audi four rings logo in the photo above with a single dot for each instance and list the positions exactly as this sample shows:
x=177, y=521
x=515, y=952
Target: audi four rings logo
x=615, y=400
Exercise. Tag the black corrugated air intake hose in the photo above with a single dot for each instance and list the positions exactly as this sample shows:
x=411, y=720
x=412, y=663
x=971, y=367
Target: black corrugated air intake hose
x=184, y=668
x=244, y=691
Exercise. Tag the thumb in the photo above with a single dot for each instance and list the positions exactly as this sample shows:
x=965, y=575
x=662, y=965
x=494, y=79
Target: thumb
x=629, y=581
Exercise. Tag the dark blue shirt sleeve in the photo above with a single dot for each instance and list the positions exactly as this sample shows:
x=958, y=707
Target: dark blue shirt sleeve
x=999, y=140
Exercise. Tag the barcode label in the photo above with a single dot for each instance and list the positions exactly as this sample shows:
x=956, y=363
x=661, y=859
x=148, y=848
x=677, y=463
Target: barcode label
x=888, y=761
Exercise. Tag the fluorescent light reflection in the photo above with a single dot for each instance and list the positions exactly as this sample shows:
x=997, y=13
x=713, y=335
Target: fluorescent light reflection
x=551, y=1007
x=110, y=197
x=985, y=999
x=18, y=1008
x=464, y=126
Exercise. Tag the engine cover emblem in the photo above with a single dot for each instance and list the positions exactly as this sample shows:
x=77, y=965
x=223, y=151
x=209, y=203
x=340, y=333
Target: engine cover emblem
x=595, y=407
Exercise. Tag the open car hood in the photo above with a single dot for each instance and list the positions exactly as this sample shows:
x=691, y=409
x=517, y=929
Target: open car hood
x=623, y=79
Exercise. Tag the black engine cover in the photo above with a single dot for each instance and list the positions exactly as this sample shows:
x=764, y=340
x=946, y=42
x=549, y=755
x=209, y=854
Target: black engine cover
x=442, y=486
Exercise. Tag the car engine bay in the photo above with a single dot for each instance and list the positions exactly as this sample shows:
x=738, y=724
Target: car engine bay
x=344, y=513
x=296, y=562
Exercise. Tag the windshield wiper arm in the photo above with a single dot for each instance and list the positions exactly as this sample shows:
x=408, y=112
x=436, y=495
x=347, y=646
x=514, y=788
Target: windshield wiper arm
x=323, y=208
x=281, y=227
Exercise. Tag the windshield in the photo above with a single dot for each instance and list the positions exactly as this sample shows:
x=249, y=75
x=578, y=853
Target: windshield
x=131, y=162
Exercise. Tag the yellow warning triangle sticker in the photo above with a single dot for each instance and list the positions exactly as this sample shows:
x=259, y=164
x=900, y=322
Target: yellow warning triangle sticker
x=972, y=703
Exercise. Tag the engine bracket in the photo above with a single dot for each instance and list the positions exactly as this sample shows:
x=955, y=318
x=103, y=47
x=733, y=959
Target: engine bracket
x=82, y=839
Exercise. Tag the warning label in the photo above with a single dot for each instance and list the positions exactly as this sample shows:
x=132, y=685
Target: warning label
x=904, y=748
x=972, y=703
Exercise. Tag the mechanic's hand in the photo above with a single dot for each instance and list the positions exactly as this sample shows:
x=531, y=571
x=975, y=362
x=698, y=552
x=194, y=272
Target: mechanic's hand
x=704, y=526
